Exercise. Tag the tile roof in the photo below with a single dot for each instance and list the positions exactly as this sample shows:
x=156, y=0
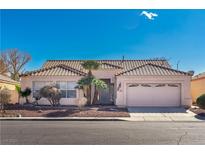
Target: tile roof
x=125, y=67
x=58, y=70
x=7, y=79
x=152, y=69
x=199, y=76
x=106, y=64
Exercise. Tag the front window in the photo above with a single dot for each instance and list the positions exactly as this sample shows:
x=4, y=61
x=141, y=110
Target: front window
x=67, y=89
x=71, y=92
x=63, y=87
x=37, y=85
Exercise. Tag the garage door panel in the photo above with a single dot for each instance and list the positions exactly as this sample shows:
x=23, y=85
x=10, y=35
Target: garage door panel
x=155, y=95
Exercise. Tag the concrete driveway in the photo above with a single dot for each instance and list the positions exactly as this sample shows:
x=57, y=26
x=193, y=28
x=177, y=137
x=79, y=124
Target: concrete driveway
x=161, y=114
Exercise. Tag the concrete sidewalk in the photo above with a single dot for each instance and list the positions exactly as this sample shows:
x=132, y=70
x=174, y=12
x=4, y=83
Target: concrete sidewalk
x=146, y=118
x=136, y=114
x=162, y=114
x=68, y=118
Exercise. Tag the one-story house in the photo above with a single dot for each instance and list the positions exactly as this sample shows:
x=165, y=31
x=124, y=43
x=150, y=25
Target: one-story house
x=198, y=86
x=130, y=82
x=8, y=83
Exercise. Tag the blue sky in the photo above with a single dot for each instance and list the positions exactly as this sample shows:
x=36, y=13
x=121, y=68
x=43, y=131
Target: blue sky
x=178, y=35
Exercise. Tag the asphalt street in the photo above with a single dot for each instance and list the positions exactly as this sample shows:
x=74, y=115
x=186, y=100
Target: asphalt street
x=101, y=132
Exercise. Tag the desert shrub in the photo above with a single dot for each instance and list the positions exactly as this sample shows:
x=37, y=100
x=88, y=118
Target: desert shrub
x=52, y=94
x=5, y=97
x=201, y=101
x=81, y=102
x=25, y=93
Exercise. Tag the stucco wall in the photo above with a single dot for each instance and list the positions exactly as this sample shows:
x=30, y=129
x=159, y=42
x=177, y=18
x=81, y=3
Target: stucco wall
x=197, y=88
x=120, y=92
x=27, y=82
x=183, y=80
x=106, y=74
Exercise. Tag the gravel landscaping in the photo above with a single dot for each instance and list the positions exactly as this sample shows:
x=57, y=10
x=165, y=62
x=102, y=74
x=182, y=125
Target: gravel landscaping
x=65, y=111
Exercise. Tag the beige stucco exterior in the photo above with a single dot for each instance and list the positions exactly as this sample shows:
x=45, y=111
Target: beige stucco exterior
x=28, y=81
x=197, y=88
x=119, y=91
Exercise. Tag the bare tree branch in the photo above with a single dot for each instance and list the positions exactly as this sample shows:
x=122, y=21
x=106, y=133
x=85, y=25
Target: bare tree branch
x=15, y=60
x=3, y=67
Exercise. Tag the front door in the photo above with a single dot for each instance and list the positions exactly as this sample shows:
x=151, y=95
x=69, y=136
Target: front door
x=106, y=95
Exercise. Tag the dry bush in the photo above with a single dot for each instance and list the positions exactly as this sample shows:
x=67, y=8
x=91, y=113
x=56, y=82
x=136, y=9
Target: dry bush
x=5, y=98
x=81, y=102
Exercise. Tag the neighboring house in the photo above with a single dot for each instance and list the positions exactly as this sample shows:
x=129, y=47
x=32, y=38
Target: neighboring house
x=130, y=82
x=6, y=82
x=198, y=86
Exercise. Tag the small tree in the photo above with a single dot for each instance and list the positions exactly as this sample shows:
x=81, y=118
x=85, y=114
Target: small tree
x=89, y=65
x=85, y=84
x=52, y=94
x=25, y=93
x=99, y=84
x=5, y=97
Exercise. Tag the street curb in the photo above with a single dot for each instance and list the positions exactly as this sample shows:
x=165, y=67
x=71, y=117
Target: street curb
x=64, y=119
x=127, y=119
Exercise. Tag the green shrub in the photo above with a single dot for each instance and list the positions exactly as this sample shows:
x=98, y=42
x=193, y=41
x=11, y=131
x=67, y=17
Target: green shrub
x=201, y=101
x=25, y=93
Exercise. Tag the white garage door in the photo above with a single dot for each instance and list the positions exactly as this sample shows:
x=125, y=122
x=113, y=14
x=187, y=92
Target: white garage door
x=153, y=95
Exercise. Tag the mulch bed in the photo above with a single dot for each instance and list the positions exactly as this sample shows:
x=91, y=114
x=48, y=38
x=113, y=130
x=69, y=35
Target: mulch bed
x=198, y=111
x=70, y=111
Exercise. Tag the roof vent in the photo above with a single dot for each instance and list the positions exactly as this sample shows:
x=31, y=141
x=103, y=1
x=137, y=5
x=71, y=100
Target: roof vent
x=123, y=59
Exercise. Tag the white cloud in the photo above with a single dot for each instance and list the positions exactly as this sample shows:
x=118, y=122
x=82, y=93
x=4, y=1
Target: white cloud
x=149, y=15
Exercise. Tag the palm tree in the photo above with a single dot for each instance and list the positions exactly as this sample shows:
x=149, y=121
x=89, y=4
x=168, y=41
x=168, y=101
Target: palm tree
x=87, y=82
x=25, y=93
x=90, y=65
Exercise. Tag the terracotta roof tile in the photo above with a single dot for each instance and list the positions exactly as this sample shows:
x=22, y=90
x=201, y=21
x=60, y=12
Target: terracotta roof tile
x=58, y=70
x=107, y=64
x=199, y=76
x=126, y=67
x=151, y=69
